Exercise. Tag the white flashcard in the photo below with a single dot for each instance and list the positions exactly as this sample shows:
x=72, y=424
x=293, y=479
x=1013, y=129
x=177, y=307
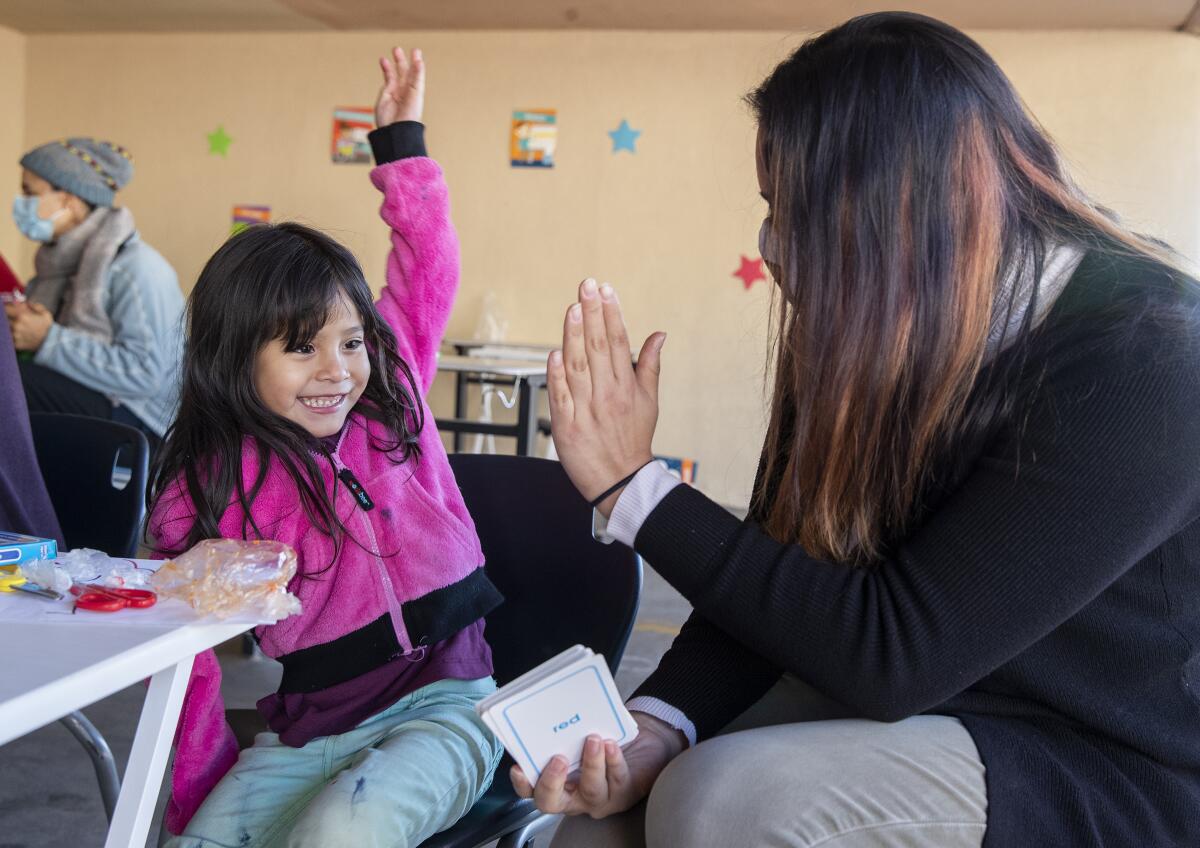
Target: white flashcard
x=552, y=709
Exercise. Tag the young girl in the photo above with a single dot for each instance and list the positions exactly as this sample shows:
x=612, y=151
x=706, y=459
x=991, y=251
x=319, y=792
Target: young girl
x=302, y=420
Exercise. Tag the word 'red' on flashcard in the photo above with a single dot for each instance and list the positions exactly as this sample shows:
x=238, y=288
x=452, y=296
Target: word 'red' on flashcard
x=555, y=707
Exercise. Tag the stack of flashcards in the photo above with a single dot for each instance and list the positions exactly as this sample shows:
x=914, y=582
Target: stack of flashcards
x=555, y=707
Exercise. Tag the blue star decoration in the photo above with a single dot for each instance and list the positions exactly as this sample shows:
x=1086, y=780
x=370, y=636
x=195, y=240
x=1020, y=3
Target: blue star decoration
x=624, y=137
x=218, y=142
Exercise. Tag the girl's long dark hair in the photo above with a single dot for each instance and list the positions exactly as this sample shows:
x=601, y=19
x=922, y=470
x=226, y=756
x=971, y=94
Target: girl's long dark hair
x=271, y=282
x=905, y=179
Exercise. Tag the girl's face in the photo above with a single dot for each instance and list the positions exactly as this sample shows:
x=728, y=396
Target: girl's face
x=317, y=384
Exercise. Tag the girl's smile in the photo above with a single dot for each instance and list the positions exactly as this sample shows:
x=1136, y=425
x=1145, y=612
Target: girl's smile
x=324, y=405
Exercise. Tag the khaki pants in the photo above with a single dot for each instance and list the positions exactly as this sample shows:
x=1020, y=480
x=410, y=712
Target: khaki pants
x=794, y=772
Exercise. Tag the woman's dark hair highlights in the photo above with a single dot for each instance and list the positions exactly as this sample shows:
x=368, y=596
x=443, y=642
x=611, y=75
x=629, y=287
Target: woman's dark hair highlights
x=271, y=282
x=905, y=179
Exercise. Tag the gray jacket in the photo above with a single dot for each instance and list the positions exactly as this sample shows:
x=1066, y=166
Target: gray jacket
x=140, y=369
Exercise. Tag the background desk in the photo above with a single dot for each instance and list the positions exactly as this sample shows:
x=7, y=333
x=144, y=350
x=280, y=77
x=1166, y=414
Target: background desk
x=525, y=376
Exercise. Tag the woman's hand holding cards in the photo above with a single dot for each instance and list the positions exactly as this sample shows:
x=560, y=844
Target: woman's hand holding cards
x=610, y=780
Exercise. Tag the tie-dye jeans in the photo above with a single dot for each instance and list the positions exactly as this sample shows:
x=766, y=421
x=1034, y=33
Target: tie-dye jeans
x=396, y=779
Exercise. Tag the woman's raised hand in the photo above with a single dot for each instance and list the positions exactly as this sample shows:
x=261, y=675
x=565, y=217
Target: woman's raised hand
x=602, y=412
x=610, y=780
x=402, y=97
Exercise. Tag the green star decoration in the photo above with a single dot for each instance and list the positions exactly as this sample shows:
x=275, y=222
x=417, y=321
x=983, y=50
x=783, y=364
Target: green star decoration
x=219, y=141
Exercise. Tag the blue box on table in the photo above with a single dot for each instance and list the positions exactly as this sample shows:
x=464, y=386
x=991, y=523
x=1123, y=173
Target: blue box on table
x=16, y=549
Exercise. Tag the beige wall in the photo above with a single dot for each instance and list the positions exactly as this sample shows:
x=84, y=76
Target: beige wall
x=666, y=226
x=12, y=128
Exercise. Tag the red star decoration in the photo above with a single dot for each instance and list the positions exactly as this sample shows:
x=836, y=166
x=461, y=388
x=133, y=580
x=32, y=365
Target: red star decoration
x=750, y=272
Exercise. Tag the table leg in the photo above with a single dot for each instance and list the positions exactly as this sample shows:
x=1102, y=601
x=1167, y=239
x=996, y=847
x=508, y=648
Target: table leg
x=148, y=759
x=527, y=430
x=461, y=387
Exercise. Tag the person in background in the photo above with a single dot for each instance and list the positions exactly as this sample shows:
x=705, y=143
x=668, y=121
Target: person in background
x=11, y=289
x=101, y=329
x=964, y=608
x=24, y=502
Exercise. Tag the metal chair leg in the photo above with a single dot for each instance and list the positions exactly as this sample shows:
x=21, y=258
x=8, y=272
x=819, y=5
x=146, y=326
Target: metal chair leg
x=102, y=758
x=523, y=836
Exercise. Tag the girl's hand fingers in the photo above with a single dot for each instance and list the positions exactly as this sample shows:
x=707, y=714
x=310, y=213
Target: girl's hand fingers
x=562, y=408
x=416, y=76
x=593, y=782
x=595, y=335
x=575, y=358
x=550, y=794
x=401, y=62
x=389, y=71
x=618, y=338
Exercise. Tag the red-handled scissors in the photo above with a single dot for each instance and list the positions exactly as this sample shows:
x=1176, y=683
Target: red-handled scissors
x=104, y=599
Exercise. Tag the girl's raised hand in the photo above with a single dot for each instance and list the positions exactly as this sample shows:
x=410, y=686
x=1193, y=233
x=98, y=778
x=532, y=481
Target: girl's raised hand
x=402, y=97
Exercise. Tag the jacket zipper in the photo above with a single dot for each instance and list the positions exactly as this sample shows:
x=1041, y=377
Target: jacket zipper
x=346, y=475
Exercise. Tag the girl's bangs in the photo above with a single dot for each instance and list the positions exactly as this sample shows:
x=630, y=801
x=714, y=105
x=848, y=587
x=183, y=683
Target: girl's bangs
x=306, y=302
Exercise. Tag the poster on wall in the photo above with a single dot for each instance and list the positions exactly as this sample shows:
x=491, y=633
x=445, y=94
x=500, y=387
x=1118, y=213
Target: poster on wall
x=350, y=127
x=681, y=466
x=534, y=138
x=244, y=215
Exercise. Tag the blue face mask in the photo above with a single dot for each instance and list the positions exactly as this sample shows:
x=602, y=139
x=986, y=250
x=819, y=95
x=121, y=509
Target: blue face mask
x=25, y=213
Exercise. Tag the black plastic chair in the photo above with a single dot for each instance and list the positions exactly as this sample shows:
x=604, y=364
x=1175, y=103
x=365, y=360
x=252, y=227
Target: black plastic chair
x=95, y=472
x=561, y=588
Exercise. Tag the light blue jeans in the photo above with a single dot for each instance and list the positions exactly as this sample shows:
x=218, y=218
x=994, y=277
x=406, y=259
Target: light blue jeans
x=396, y=779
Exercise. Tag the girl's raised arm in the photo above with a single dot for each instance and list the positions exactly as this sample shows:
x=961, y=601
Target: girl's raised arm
x=423, y=267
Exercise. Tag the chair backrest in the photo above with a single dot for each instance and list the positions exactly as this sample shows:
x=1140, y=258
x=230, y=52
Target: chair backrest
x=96, y=472
x=561, y=587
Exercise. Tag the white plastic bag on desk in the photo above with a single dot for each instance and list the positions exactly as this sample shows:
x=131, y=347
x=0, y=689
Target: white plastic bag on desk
x=85, y=566
x=225, y=577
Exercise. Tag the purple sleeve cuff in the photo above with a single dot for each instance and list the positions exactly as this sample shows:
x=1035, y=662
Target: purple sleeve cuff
x=665, y=712
x=634, y=505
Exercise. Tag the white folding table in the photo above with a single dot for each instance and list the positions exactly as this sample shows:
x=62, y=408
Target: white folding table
x=527, y=378
x=56, y=663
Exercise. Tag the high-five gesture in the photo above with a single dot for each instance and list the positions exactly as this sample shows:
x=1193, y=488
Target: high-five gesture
x=402, y=97
x=602, y=411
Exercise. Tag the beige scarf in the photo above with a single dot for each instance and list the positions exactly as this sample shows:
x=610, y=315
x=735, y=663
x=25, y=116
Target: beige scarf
x=72, y=271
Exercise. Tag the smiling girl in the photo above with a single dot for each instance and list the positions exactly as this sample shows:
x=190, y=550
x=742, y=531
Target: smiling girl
x=303, y=420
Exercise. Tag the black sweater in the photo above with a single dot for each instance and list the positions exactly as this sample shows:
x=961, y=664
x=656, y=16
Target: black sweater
x=1051, y=599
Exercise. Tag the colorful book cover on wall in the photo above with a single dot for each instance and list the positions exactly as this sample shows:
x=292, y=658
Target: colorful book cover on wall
x=350, y=127
x=245, y=215
x=534, y=137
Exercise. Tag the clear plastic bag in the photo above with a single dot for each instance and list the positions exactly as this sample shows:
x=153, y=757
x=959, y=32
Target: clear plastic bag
x=85, y=566
x=225, y=577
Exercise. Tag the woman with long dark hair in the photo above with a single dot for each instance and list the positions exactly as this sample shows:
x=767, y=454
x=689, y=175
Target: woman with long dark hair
x=965, y=605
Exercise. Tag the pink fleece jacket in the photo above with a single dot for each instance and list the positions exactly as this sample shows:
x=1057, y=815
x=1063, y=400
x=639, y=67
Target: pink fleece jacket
x=418, y=537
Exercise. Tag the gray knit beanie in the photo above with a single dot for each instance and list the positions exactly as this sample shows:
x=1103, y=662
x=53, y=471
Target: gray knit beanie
x=89, y=169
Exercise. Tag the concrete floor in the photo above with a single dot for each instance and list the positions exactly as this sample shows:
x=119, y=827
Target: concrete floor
x=48, y=793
